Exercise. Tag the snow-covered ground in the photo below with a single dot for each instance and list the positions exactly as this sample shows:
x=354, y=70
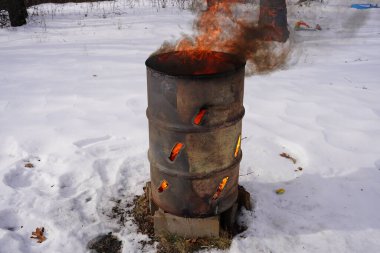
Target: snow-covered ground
x=73, y=100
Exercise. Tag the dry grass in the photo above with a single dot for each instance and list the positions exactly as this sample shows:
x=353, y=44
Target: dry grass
x=176, y=244
x=141, y=214
x=29, y=3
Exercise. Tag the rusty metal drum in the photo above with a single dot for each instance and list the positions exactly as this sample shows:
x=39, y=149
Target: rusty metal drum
x=195, y=111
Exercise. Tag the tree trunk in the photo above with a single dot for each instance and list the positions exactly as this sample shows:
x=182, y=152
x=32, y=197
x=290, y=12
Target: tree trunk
x=211, y=3
x=17, y=12
x=273, y=20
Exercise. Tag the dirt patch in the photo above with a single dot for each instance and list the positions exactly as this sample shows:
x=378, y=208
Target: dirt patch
x=105, y=244
x=170, y=243
x=138, y=211
x=142, y=216
x=119, y=212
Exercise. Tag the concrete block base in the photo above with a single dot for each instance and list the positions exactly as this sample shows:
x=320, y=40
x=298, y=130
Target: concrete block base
x=165, y=223
x=186, y=227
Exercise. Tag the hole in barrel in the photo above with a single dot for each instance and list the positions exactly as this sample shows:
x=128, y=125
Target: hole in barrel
x=163, y=186
x=237, y=148
x=220, y=188
x=199, y=117
x=175, y=151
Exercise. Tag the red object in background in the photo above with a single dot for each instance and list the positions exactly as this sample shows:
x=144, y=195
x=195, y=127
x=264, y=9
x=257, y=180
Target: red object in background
x=301, y=23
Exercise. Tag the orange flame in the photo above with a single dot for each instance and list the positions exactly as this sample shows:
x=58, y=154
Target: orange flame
x=228, y=27
x=198, y=118
x=237, y=149
x=175, y=151
x=164, y=185
x=220, y=188
x=209, y=25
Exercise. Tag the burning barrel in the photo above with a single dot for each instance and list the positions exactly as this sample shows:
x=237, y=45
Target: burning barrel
x=195, y=111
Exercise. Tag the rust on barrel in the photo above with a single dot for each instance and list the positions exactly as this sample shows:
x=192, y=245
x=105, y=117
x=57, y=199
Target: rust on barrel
x=195, y=111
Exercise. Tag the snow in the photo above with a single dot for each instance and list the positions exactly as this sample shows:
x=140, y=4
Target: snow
x=73, y=101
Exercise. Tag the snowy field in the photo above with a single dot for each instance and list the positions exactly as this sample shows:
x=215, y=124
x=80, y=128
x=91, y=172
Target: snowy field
x=73, y=101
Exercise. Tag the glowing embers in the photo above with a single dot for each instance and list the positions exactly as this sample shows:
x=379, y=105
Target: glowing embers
x=199, y=117
x=237, y=149
x=163, y=186
x=175, y=151
x=220, y=188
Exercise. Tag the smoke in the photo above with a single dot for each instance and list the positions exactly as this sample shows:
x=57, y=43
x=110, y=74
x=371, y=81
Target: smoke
x=231, y=27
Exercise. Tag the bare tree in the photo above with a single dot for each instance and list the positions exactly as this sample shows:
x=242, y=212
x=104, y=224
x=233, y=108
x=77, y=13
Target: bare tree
x=16, y=10
x=273, y=20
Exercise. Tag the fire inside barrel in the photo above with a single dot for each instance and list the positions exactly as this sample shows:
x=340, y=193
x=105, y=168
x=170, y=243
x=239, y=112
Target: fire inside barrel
x=220, y=188
x=195, y=111
x=177, y=147
x=237, y=146
x=198, y=118
x=163, y=186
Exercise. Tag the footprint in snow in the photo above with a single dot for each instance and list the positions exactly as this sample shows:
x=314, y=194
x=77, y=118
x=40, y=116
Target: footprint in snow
x=14, y=242
x=90, y=141
x=67, y=185
x=136, y=105
x=23, y=173
x=18, y=178
x=9, y=220
x=101, y=166
x=377, y=164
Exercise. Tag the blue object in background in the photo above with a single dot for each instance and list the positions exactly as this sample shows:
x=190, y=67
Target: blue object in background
x=364, y=6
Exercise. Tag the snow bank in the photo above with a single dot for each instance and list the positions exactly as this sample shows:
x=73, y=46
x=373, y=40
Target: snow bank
x=73, y=100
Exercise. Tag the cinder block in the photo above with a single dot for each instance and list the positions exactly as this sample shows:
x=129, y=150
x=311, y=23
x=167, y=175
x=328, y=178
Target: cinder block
x=186, y=227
